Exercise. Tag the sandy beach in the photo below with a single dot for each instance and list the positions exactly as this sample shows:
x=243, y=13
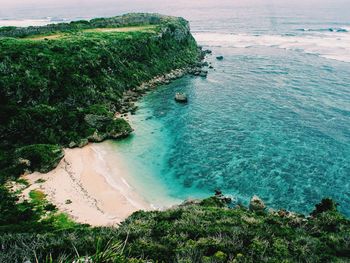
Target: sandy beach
x=88, y=189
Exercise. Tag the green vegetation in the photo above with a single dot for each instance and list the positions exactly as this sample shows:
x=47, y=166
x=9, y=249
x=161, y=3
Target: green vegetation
x=29, y=158
x=39, y=157
x=206, y=232
x=61, y=84
x=37, y=196
x=128, y=20
x=40, y=181
x=13, y=213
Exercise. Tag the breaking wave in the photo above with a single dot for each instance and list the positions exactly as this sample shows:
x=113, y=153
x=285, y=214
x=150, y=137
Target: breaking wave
x=330, y=29
x=327, y=44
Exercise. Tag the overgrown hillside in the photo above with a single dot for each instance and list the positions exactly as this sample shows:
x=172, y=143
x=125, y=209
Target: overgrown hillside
x=62, y=84
x=206, y=231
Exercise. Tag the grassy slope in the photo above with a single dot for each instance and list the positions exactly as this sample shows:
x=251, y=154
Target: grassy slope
x=205, y=232
x=53, y=36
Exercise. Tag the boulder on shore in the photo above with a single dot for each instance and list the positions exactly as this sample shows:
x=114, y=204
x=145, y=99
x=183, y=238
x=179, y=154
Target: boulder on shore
x=181, y=97
x=256, y=204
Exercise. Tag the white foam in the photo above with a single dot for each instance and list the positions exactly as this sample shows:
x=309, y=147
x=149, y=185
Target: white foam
x=331, y=45
x=30, y=22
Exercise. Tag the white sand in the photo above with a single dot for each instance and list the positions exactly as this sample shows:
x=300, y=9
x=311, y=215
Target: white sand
x=100, y=194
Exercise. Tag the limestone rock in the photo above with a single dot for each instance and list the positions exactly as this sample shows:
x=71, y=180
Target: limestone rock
x=181, y=97
x=256, y=204
x=83, y=142
x=96, y=121
x=24, y=162
x=97, y=137
x=72, y=145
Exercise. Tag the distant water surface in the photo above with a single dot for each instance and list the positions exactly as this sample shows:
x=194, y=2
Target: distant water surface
x=272, y=118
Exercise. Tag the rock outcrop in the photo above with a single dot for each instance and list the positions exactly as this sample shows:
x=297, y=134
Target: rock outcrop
x=256, y=204
x=181, y=97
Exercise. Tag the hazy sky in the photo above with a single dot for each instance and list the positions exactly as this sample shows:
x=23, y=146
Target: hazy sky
x=74, y=8
x=14, y=3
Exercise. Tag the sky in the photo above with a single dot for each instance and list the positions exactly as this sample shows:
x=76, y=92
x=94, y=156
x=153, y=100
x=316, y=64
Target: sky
x=31, y=9
x=14, y=4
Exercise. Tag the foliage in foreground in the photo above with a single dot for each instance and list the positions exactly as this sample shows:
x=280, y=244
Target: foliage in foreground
x=204, y=232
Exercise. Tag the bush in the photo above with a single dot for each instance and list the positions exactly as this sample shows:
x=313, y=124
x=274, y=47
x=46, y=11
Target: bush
x=39, y=157
x=327, y=204
x=194, y=233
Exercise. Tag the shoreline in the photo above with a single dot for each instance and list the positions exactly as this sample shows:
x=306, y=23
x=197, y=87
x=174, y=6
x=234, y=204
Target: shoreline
x=85, y=187
x=130, y=97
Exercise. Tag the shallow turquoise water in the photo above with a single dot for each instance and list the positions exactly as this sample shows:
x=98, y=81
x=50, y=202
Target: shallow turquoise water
x=266, y=121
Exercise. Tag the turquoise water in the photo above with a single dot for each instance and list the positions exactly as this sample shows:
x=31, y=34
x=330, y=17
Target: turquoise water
x=272, y=118
x=275, y=123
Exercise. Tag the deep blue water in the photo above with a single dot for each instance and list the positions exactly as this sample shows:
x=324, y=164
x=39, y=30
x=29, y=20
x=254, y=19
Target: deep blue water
x=272, y=118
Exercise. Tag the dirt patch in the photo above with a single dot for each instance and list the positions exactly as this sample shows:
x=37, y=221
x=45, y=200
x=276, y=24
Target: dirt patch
x=50, y=37
x=122, y=29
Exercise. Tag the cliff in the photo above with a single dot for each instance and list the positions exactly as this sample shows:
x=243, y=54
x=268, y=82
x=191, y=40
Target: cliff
x=62, y=84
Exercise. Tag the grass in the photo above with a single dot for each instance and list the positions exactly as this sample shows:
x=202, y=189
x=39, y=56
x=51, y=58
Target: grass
x=149, y=28
x=45, y=37
x=22, y=181
x=56, y=36
x=61, y=221
x=37, y=197
x=206, y=232
x=40, y=181
x=48, y=212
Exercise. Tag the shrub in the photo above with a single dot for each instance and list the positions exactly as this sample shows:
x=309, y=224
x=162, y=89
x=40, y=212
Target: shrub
x=39, y=157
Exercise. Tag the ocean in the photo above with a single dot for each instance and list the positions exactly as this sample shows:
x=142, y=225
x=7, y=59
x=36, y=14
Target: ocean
x=271, y=119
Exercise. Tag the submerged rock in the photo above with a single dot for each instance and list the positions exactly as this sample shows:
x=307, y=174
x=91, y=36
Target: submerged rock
x=256, y=204
x=220, y=57
x=181, y=97
x=218, y=192
x=203, y=73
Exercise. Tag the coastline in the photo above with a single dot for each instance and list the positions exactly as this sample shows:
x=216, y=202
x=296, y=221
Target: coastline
x=130, y=97
x=85, y=187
